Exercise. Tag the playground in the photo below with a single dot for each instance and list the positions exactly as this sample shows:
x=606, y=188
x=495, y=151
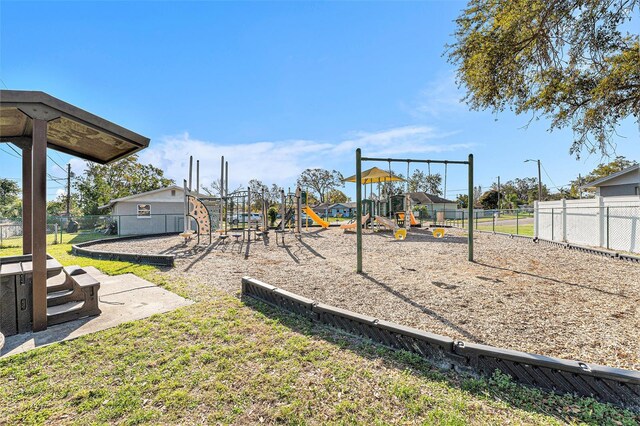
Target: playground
x=516, y=295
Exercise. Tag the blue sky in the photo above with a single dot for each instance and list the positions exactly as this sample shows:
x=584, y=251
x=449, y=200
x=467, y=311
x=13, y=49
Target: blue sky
x=276, y=87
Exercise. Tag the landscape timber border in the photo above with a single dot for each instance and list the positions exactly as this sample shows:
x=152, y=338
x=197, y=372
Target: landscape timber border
x=606, y=384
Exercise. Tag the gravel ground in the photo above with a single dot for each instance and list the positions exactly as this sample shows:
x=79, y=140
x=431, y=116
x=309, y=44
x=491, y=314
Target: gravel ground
x=516, y=295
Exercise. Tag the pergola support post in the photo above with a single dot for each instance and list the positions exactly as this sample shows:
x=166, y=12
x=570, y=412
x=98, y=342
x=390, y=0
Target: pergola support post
x=39, y=223
x=26, y=199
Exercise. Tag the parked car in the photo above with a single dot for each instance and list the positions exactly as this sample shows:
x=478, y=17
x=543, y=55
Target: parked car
x=238, y=218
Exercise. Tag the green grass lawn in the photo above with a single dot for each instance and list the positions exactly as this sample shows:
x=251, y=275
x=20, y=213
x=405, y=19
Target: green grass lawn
x=223, y=360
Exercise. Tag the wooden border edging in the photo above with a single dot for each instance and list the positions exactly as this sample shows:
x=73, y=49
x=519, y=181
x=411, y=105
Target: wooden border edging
x=81, y=249
x=606, y=384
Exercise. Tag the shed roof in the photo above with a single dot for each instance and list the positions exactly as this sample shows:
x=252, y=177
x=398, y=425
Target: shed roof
x=70, y=129
x=134, y=197
x=601, y=181
x=424, y=198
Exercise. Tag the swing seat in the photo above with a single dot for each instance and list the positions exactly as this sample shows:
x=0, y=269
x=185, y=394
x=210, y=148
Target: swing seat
x=438, y=232
x=400, y=234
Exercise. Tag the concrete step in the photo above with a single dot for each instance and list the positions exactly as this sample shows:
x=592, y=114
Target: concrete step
x=60, y=297
x=65, y=308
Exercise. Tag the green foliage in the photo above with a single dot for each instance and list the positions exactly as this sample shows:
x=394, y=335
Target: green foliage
x=568, y=61
x=489, y=200
x=463, y=201
x=602, y=170
x=102, y=183
x=337, y=196
x=320, y=182
x=422, y=182
x=272, y=213
x=10, y=202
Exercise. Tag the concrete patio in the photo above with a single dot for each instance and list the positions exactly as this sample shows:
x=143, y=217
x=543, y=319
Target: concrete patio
x=123, y=298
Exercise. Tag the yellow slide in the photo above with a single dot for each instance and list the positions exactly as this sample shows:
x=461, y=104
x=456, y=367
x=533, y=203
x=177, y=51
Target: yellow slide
x=353, y=224
x=315, y=217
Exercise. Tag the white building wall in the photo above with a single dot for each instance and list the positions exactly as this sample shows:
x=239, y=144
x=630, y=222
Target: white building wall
x=609, y=222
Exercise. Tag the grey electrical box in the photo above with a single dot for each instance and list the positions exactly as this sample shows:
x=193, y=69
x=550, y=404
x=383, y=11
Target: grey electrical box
x=16, y=301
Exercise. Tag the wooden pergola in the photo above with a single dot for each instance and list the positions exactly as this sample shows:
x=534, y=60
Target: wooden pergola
x=35, y=121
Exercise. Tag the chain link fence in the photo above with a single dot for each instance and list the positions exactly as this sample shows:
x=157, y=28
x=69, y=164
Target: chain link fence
x=614, y=227
x=61, y=229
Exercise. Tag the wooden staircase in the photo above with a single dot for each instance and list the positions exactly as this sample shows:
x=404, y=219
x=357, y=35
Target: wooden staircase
x=71, y=294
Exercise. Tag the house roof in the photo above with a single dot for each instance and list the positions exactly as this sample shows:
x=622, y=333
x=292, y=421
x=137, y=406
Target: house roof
x=599, y=182
x=424, y=198
x=142, y=194
x=70, y=129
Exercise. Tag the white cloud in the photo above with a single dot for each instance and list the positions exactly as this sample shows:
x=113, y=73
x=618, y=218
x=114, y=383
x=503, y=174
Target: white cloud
x=440, y=97
x=282, y=161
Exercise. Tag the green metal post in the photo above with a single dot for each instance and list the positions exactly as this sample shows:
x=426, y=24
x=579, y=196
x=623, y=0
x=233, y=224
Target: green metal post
x=493, y=219
x=470, y=233
x=359, y=209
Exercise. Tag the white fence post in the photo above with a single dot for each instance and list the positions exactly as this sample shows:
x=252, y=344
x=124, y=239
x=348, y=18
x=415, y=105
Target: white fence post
x=601, y=220
x=536, y=219
x=564, y=220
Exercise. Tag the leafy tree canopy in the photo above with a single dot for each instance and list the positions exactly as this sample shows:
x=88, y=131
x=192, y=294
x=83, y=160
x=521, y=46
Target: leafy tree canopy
x=422, y=182
x=567, y=60
x=581, y=183
x=102, y=183
x=10, y=202
x=337, y=196
x=320, y=182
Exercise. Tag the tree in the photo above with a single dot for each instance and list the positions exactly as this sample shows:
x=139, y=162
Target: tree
x=463, y=201
x=320, y=181
x=489, y=200
x=10, y=202
x=568, y=61
x=602, y=170
x=337, y=196
x=421, y=182
x=259, y=193
x=102, y=183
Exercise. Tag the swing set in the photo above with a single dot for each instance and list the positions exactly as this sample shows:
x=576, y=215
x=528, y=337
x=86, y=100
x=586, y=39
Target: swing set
x=360, y=159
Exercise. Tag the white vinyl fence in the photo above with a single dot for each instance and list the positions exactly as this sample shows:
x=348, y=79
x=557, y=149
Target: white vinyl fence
x=609, y=222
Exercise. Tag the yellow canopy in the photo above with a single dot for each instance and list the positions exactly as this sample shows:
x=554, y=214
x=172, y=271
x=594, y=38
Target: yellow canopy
x=375, y=175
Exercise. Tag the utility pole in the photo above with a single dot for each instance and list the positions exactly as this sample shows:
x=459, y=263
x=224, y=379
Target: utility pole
x=69, y=190
x=579, y=186
x=539, y=179
x=539, y=183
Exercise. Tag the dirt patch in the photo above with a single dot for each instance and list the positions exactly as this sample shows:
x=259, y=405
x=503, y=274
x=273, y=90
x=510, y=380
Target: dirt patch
x=516, y=295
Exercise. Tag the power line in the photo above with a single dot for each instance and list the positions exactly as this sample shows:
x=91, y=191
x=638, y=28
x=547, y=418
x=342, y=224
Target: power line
x=9, y=153
x=15, y=150
x=56, y=163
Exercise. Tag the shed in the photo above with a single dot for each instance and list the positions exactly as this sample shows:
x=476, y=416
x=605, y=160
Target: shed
x=623, y=183
x=434, y=203
x=151, y=212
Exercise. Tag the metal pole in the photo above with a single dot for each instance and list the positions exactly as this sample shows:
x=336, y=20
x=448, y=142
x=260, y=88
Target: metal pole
x=190, y=170
x=470, y=233
x=68, y=190
x=197, y=176
x=517, y=223
x=226, y=191
x=186, y=207
x=498, y=196
x=359, y=210
x=539, y=183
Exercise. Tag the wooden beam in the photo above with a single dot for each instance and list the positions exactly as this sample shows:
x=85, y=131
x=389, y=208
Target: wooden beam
x=26, y=199
x=39, y=223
